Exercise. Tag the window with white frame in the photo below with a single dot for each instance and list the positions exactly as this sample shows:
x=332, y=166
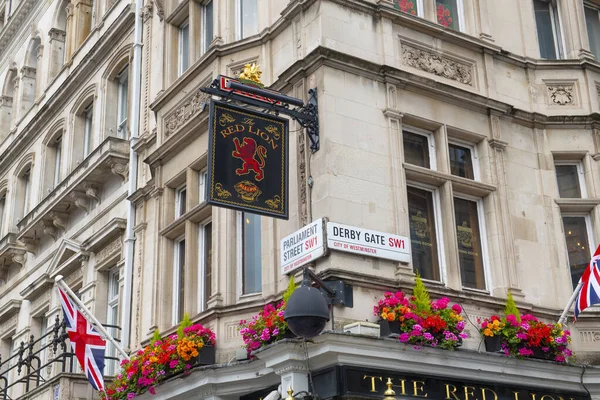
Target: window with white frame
x=2, y=211
x=122, y=102
x=251, y=257
x=578, y=236
x=180, y=201
x=183, y=59
x=88, y=117
x=202, y=179
x=205, y=268
x=547, y=21
x=592, y=21
x=414, y=7
x=450, y=13
x=57, y=159
x=112, y=319
x=570, y=180
x=419, y=148
x=425, y=238
x=26, y=184
x=471, y=242
x=178, y=280
x=246, y=12
x=207, y=26
x=463, y=160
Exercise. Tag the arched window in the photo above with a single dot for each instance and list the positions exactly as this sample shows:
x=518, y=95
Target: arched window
x=54, y=153
x=117, y=96
x=3, y=207
x=58, y=40
x=6, y=103
x=84, y=137
x=29, y=74
x=23, y=192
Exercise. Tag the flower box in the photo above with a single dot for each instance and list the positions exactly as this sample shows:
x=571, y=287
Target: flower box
x=207, y=356
x=388, y=328
x=493, y=344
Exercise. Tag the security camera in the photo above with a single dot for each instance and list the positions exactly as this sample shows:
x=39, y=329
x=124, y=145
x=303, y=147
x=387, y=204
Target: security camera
x=306, y=312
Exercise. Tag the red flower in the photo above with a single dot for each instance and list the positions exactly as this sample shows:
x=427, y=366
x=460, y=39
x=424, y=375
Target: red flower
x=434, y=323
x=406, y=6
x=443, y=16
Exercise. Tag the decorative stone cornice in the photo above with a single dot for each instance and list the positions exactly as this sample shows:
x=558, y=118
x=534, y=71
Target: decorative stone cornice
x=49, y=229
x=57, y=34
x=80, y=200
x=120, y=169
x=160, y=9
x=434, y=63
x=28, y=72
x=147, y=11
x=16, y=23
x=184, y=112
x=91, y=191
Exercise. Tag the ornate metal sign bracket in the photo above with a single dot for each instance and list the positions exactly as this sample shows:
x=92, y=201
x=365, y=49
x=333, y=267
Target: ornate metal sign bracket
x=307, y=115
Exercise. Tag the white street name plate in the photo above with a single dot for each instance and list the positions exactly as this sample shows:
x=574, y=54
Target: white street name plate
x=367, y=243
x=302, y=247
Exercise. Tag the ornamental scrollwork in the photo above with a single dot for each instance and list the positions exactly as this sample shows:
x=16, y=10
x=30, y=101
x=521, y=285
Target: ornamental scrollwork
x=433, y=63
x=561, y=95
x=187, y=110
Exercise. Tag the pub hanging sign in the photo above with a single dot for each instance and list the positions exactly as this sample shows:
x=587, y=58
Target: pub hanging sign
x=247, y=160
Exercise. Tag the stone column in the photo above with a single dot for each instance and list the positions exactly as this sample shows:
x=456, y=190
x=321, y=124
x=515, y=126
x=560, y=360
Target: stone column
x=57, y=51
x=15, y=106
x=28, y=84
x=82, y=18
x=69, y=46
x=6, y=104
x=39, y=52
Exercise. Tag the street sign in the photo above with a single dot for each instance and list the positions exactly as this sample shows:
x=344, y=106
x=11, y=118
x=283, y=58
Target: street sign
x=301, y=247
x=367, y=243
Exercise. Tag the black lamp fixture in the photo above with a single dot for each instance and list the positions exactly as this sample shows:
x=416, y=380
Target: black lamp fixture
x=307, y=310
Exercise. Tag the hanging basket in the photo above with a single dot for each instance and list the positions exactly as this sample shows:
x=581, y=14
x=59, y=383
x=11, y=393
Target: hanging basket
x=493, y=344
x=388, y=328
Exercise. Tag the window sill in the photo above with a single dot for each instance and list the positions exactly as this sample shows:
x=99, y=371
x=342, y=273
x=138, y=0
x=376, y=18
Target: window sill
x=476, y=291
x=435, y=178
x=577, y=205
x=197, y=214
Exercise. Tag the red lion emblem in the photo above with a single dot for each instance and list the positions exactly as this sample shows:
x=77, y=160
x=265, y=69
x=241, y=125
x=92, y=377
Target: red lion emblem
x=246, y=152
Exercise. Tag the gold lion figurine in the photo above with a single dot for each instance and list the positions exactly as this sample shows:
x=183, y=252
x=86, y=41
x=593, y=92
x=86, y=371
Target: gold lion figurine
x=251, y=73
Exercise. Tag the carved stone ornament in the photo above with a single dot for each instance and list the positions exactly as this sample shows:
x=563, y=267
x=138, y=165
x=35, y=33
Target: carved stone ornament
x=160, y=9
x=147, y=11
x=19, y=257
x=184, y=112
x=49, y=229
x=57, y=34
x=91, y=191
x=28, y=72
x=59, y=220
x=39, y=51
x=561, y=95
x=121, y=169
x=108, y=250
x=80, y=201
x=433, y=63
x=10, y=323
x=589, y=336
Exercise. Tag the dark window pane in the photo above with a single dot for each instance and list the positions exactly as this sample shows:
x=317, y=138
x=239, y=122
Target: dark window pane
x=407, y=6
x=545, y=31
x=181, y=284
x=207, y=261
x=416, y=149
x=577, y=246
x=447, y=13
x=423, y=241
x=469, y=244
x=568, y=181
x=592, y=20
x=208, y=29
x=252, y=253
x=461, y=161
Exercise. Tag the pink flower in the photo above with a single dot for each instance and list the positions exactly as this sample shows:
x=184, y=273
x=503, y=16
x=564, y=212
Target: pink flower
x=173, y=364
x=457, y=308
x=525, y=352
x=152, y=390
x=404, y=337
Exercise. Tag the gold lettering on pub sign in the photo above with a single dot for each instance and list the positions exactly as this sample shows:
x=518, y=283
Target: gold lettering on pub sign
x=247, y=125
x=450, y=391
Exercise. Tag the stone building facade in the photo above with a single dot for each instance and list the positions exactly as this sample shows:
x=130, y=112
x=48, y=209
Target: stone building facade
x=471, y=127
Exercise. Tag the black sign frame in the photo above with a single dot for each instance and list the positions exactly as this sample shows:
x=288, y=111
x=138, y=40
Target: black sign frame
x=221, y=193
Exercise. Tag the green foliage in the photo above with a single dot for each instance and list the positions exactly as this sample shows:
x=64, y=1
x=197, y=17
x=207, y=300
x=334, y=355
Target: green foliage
x=290, y=289
x=422, y=301
x=511, y=307
x=185, y=322
x=155, y=337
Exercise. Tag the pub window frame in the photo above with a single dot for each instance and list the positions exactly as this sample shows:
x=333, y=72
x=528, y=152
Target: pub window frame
x=484, y=245
x=420, y=8
x=461, y=15
x=202, y=182
x=241, y=258
x=180, y=202
x=182, y=49
x=205, y=40
x=474, y=157
x=580, y=177
x=430, y=142
x=590, y=234
x=112, y=312
x=202, y=295
x=439, y=230
x=178, y=271
x=557, y=30
x=239, y=21
x=594, y=7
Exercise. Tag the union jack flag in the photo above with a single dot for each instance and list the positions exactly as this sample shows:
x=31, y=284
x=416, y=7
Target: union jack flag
x=88, y=345
x=590, y=290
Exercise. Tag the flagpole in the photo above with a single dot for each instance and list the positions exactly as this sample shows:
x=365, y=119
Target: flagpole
x=563, y=316
x=97, y=324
